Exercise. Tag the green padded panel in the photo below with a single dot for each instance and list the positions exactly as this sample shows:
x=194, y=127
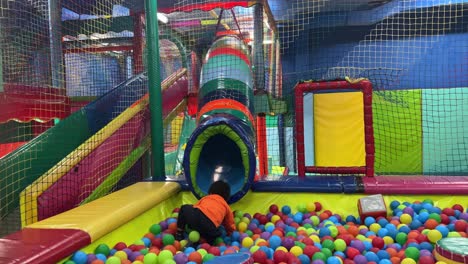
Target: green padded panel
x=445, y=130
x=397, y=132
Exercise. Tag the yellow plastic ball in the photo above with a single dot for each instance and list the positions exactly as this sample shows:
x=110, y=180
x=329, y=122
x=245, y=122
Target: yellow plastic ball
x=408, y=261
x=247, y=242
x=259, y=240
x=296, y=250
x=406, y=219
x=275, y=218
x=388, y=240
x=315, y=238
x=375, y=227
x=242, y=227
x=311, y=207
x=282, y=249
x=254, y=248
x=434, y=235
x=121, y=255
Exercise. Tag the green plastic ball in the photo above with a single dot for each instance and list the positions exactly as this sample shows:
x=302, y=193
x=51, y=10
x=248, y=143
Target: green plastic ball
x=155, y=229
x=413, y=253
x=194, y=236
x=150, y=258
x=102, y=249
x=113, y=260
x=168, y=239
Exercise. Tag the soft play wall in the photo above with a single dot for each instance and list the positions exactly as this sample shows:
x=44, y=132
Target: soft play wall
x=415, y=108
x=222, y=145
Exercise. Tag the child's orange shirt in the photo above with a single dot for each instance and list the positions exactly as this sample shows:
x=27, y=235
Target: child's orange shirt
x=217, y=210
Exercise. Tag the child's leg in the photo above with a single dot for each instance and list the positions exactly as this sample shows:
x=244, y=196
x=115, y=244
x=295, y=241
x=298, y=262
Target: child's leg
x=185, y=215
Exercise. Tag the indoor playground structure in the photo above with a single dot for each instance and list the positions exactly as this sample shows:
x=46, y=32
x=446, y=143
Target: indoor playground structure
x=341, y=127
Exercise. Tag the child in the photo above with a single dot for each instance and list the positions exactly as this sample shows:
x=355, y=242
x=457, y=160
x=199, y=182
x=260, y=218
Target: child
x=207, y=215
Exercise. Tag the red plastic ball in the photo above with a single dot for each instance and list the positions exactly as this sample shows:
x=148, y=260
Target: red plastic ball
x=273, y=209
x=460, y=226
x=260, y=256
x=448, y=211
x=310, y=250
x=426, y=260
x=195, y=257
x=457, y=207
x=120, y=246
x=352, y=252
x=318, y=206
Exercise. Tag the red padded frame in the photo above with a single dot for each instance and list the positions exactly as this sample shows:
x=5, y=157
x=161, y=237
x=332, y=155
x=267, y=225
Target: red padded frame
x=310, y=87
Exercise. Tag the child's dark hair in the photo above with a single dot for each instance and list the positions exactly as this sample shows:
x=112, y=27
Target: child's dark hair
x=220, y=188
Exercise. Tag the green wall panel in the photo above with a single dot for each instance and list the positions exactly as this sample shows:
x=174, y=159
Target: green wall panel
x=398, y=132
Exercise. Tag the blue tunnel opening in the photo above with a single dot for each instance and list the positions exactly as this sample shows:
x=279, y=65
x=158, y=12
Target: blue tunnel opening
x=220, y=159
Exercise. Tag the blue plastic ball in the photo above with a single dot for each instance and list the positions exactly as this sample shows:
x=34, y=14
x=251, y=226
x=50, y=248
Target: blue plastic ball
x=80, y=257
x=286, y=209
x=371, y=256
x=394, y=204
x=369, y=220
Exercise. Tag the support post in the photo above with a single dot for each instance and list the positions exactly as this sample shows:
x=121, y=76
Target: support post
x=258, y=56
x=55, y=43
x=154, y=86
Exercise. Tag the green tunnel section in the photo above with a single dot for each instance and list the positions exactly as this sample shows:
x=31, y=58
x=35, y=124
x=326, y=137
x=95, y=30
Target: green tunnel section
x=222, y=145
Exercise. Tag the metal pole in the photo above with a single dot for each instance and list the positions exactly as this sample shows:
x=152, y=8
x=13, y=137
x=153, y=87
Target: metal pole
x=258, y=56
x=55, y=42
x=154, y=86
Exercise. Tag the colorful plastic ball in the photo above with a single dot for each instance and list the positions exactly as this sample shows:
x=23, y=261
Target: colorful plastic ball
x=150, y=258
x=426, y=260
x=412, y=252
x=333, y=260
x=319, y=256
x=296, y=250
x=194, y=236
x=242, y=227
x=274, y=208
x=408, y=261
x=247, y=242
x=310, y=207
x=286, y=210
x=113, y=260
x=79, y=257
x=102, y=249
x=378, y=242
x=434, y=235
x=340, y=244
x=168, y=239
x=259, y=256
x=360, y=259
x=406, y=219
x=155, y=229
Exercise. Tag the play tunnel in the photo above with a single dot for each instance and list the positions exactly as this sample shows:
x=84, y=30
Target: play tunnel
x=222, y=145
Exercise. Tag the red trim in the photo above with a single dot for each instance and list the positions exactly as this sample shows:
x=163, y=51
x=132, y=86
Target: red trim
x=262, y=149
x=310, y=87
x=207, y=6
x=228, y=51
x=37, y=245
x=225, y=104
x=416, y=184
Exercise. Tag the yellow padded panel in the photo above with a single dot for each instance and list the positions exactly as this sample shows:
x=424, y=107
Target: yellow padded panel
x=339, y=129
x=102, y=216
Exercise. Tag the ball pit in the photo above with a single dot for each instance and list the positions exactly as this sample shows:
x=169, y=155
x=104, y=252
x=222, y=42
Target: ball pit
x=305, y=234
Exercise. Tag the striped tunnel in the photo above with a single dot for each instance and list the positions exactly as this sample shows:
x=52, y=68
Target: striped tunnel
x=222, y=145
